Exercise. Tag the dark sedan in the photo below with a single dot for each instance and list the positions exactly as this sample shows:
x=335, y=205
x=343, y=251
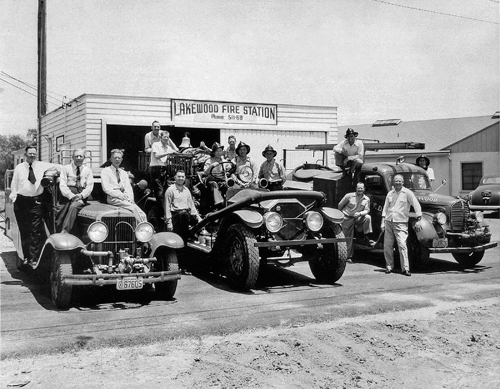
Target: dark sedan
x=486, y=196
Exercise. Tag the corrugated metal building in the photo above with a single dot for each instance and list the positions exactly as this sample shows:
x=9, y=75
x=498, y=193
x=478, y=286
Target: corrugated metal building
x=461, y=150
x=100, y=123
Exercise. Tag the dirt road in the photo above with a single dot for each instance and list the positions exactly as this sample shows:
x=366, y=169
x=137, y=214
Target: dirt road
x=438, y=328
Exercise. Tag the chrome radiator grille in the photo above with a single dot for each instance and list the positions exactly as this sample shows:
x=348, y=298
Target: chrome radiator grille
x=121, y=234
x=459, y=214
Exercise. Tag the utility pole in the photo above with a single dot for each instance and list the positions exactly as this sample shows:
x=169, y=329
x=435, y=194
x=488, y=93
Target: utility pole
x=42, y=70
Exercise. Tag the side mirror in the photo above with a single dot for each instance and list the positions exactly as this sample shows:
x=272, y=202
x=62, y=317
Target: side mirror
x=444, y=181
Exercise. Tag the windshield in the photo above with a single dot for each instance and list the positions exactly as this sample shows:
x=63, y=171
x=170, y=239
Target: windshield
x=414, y=181
x=491, y=180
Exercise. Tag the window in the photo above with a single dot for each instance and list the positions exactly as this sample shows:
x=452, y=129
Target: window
x=471, y=175
x=386, y=122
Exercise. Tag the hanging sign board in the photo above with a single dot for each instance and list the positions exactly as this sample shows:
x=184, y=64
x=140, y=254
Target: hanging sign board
x=218, y=112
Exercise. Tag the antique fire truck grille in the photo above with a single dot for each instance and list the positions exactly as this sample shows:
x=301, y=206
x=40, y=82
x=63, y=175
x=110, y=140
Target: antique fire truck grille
x=459, y=214
x=292, y=214
x=120, y=234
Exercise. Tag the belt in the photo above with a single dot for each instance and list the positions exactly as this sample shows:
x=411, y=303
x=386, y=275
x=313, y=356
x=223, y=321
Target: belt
x=37, y=197
x=180, y=211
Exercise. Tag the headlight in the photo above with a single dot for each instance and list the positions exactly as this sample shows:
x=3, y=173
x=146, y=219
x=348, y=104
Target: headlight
x=274, y=221
x=479, y=216
x=314, y=221
x=440, y=217
x=245, y=174
x=97, y=232
x=144, y=232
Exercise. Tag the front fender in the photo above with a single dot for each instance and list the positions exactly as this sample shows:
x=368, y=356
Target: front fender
x=166, y=239
x=427, y=232
x=332, y=214
x=64, y=242
x=252, y=219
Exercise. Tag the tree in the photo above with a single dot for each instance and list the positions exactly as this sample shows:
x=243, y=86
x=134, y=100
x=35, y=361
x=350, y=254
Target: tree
x=9, y=144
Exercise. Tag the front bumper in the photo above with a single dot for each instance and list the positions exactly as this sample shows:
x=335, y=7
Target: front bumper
x=111, y=279
x=463, y=250
x=306, y=242
x=484, y=207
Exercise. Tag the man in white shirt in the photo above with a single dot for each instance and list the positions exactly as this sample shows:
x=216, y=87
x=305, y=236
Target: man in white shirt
x=116, y=184
x=76, y=184
x=154, y=136
x=26, y=194
x=395, y=215
x=349, y=153
x=159, y=153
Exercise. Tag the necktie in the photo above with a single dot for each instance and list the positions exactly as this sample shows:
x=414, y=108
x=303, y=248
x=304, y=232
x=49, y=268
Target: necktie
x=118, y=175
x=78, y=185
x=31, y=175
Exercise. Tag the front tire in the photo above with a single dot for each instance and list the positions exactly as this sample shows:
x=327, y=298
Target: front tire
x=328, y=265
x=418, y=255
x=468, y=261
x=166, y=261
x=60, y=291
x=241, y=257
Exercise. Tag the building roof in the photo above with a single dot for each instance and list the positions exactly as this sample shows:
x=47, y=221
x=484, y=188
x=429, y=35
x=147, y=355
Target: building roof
x=437, y=134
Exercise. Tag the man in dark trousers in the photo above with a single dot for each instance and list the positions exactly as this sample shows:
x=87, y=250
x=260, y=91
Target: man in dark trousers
x=26, y=194
x=76, y=184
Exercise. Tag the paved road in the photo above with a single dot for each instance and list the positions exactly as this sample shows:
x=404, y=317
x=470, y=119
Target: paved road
x=204, y=304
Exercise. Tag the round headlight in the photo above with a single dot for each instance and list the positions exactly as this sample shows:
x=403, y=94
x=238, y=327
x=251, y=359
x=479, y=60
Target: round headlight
x=314, y=221
x=479, y=216
x=440, y=217
x=274, y=221
x=245, y=174
x=97, y=232
x=144, y=232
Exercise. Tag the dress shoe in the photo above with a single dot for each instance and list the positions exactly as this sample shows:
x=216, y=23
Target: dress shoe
x=388, y=271
x=406, y=273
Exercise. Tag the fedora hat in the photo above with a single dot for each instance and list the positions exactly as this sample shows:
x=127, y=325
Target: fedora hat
x=216, y=146
x=422, y=156
x=350, y=131
x=240, y=145
x=269, y=148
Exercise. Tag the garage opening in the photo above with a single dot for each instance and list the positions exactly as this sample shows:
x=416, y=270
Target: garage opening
x=131, y=139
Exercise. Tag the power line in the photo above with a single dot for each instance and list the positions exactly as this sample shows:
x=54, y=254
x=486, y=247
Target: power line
x=30, y=85
x=436, y=12
x=28, y=92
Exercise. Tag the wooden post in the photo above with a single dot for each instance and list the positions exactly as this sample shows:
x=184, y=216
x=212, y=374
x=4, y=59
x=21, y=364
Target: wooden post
x=42, y=71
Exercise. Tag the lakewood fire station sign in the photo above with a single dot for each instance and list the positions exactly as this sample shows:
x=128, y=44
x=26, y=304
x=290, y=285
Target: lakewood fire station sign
x=215, y=112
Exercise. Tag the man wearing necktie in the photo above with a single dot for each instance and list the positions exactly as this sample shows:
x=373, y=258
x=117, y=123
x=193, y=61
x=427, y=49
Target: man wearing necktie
x=76, y=184
x=26, y=196
x=116, y=184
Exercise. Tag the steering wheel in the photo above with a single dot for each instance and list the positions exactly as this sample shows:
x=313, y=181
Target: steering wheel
x=226, y=171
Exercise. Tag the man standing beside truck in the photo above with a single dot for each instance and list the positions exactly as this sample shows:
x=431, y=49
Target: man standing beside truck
x=26, y=195
x=395, y=215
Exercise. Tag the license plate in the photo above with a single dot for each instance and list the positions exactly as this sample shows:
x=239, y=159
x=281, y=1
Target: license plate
x=440, y=242
x=129, y=283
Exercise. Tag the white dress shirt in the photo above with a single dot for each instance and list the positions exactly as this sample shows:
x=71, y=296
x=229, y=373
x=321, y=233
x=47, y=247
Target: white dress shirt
x=20, y=183
x=112, y=187
x=68, y=178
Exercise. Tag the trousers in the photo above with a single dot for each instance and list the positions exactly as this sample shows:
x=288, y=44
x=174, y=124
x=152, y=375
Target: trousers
x=140, y=216
x=398, y=232
x=363, y=223
x=28, y=211
x=67, y=212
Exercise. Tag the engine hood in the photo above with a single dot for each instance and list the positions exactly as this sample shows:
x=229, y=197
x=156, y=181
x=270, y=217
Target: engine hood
x=431, y=200
x=97, y=211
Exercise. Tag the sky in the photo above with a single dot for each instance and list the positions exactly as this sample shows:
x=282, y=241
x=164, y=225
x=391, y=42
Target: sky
x=373, y=59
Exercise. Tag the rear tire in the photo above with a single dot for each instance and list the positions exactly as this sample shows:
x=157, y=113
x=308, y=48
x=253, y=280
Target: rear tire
x=166, y=261
x=468, y=261
x=241, y=257
x=60, y=291
x=328, y=265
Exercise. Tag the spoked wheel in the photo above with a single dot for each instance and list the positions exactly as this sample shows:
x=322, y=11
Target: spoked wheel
x=166, y=261
x=468, y=261
x=60, y=290
x=241, y=257
x=328, y=264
